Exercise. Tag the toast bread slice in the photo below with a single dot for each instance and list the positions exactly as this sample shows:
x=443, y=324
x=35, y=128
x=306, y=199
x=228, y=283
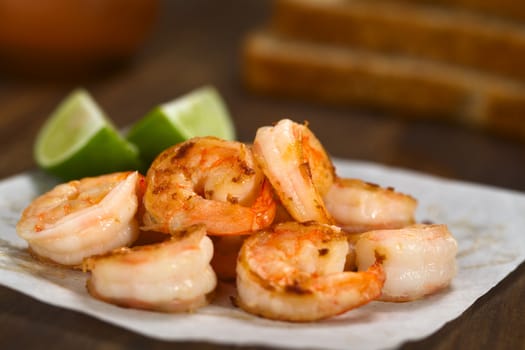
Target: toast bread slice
x=405, y=86
x=506, y=9
x=467, y=39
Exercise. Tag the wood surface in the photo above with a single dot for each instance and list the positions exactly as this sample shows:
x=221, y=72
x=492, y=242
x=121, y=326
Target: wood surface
x=198, y=42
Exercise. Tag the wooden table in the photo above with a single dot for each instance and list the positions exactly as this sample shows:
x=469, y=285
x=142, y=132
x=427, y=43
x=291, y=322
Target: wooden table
x=196, y=43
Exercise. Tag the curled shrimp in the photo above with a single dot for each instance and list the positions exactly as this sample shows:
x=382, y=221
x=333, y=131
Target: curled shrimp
x=83, y=218
x=210, y=181
x=298, y=168
x=295, y=272
x=418, y=260
x=171, y=276
x=359, y=206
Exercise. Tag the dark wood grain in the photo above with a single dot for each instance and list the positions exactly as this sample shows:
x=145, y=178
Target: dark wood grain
x=196, y=43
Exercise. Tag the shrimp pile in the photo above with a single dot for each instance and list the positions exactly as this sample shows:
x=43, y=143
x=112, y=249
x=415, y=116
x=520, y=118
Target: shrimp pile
x=300, y=243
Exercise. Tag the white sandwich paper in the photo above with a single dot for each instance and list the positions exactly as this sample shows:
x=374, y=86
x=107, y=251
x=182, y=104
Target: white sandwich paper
x=487, y=223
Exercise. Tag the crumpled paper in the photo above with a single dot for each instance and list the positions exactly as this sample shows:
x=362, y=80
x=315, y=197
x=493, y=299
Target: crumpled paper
x=487, y=222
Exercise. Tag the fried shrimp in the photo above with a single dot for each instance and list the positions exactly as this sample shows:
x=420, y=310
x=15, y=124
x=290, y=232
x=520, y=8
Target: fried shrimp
x=359, y=206
x=171, y=276
x=298, y=168
x=418, y=260
x=295, y=272
x=83, y=218
x=210, y=181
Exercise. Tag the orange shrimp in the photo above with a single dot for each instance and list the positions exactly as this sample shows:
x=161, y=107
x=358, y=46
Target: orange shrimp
x=171, y=276
x=83, y=217
x=359, y=206
x=210, y=181
x=295, y=272
x=418, y=260
x=298, y=167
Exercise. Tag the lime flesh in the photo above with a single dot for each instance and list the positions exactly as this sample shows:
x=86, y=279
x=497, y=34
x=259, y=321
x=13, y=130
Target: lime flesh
x=78, y=140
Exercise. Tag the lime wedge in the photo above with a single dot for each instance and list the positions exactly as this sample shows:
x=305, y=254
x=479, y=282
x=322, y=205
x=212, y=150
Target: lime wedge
x=201, y=112
x=78, y=140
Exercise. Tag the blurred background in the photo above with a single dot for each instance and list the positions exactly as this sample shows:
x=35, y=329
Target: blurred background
x=133, y=55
